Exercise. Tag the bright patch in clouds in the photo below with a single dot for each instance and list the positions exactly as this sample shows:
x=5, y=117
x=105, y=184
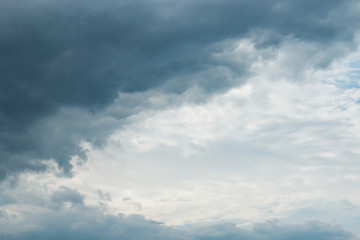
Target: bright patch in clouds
x=263, y=150
x=268, y=149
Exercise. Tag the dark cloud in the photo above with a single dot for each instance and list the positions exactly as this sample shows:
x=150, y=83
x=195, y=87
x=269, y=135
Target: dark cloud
x=87, y=223
x=64, y=54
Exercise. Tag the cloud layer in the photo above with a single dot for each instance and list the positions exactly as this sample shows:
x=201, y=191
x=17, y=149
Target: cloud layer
x=212, y=118
x=86, y=223
x=66, y=55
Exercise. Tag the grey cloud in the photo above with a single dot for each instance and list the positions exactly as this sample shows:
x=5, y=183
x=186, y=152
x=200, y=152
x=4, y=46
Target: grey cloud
x=3, y=214
x=56, y=55
x=65, y=194
x=104, y=196
x=136, y=205
x=88, y=223
x=271, y=230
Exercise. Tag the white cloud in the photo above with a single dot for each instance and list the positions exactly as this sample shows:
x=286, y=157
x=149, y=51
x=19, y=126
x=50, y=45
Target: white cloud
x=263, y=150
x=275, y=147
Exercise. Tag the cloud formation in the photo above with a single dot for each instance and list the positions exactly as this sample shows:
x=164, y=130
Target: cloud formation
x=188, y=112
x=63, y=63
x=86, y=223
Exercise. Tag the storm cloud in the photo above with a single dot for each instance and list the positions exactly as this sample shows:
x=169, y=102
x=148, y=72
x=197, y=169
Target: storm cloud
x=64, y=63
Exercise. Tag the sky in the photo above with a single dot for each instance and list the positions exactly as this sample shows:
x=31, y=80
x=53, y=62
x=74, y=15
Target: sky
x=180, y=120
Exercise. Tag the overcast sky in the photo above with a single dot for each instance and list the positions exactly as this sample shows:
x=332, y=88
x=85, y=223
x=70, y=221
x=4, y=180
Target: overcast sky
x=188, y=119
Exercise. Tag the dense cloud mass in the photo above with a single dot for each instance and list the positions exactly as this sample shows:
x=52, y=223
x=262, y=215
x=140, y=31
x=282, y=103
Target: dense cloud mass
x=188, y=119
x=63, y=63
x=87, y=223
